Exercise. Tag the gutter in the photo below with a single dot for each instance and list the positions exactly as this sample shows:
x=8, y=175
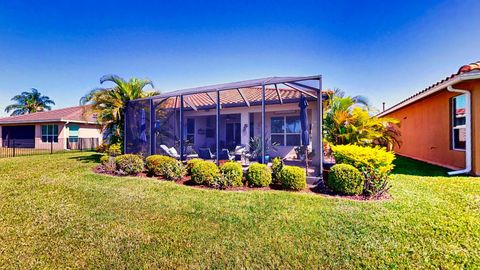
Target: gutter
x=468, y=130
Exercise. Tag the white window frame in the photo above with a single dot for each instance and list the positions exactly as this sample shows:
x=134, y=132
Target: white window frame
x=284, y=133
x=455, y=127
x=48, y=135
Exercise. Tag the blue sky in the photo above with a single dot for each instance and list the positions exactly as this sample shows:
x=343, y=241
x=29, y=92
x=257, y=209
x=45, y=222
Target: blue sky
x=384, y=50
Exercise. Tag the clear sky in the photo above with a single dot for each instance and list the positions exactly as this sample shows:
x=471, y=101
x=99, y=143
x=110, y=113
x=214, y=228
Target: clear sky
x=385, y=50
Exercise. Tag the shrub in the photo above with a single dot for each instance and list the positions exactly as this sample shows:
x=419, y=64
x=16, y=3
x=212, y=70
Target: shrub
x=115, y=149
x=104, y=159
x=205, y=172
x=102, y=148
x=108, y=163
x=345, y=179
x=293, y=178
x=375, y=183
x=166, y=167
x=277, y=165
x=259, y=175
x=232, y=173
x=129, y=164
x=364, y=157
x=191, y=163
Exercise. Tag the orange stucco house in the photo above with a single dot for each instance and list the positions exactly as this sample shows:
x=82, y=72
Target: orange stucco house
x=441, y=124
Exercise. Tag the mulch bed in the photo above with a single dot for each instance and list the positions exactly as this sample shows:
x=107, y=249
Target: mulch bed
x=319, y=189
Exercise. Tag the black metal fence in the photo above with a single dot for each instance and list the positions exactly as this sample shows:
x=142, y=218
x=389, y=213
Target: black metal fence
x=51, y=145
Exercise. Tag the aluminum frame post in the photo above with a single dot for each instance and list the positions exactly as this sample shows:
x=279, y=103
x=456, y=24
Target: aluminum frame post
x=152, y=128
x=320, y=124
x=217, y=125
x=263, y=123
x=181, y=128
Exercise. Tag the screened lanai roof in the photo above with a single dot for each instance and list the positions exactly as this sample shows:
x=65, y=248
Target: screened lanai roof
x=298, y=83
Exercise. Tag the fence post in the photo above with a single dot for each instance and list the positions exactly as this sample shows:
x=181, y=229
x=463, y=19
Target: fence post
x=51, y=145
x=13, y=147
x=80, y=142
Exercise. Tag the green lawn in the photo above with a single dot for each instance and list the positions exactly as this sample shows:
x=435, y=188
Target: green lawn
x=56, y=213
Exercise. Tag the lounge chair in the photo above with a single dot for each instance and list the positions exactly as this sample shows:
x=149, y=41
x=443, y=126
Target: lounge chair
x=171, y=152
x=205, y=153
x=225, y=155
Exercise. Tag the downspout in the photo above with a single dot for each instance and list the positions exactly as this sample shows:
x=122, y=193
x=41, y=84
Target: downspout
x=468, y=131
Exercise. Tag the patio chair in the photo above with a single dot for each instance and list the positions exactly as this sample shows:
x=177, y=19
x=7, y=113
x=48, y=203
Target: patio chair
x=225, y=155
x=171, y=152
x=205, y=153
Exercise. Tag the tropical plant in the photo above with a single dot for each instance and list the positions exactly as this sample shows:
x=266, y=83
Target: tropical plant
x=29, y=102
x=255, y=145
x=108, y=104
x=348, y=120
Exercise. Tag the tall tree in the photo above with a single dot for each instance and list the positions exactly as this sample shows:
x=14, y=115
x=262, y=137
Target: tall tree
x=108, y=104
x=29, y=102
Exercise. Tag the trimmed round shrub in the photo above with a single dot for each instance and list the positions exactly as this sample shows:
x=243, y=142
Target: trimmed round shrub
x=204, y=172
x=277, y=165
x=232, y=173
x=345, y=179
x=129, y=164
x=166, y=167
x=191, y=163
x=293, y=178
x=104, y=159
x=259, y=175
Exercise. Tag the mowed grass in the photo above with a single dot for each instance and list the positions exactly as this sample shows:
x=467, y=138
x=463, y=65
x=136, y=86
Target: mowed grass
x=56, y=213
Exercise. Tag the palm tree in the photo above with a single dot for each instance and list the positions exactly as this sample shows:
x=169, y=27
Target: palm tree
x=108, y=104
x=29, y=102
x=349, y=120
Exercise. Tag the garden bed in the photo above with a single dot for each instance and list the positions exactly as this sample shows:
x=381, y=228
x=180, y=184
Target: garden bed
x=319, y=189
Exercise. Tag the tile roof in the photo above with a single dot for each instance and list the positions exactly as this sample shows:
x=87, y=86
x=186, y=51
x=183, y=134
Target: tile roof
x=70, y=114
x=472, y=67
x=232, y=98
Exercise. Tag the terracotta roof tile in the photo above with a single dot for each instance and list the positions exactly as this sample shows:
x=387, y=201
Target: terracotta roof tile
x=463, y=69
x=66, y=114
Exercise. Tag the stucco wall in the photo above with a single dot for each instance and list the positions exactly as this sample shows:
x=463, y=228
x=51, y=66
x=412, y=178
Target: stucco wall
x=426, y=134
x=60, y=145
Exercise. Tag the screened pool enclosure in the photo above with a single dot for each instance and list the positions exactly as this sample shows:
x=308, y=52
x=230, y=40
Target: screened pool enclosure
x=247, y=121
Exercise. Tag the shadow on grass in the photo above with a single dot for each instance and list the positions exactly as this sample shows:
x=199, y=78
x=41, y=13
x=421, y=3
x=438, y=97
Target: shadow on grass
x=408, y=166
x=93, y=158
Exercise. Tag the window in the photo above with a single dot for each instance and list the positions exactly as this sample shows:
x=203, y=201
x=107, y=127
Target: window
x=190, y=132
x=73, y=133
x=285, y=130
x=49, y=133
x=459, y=136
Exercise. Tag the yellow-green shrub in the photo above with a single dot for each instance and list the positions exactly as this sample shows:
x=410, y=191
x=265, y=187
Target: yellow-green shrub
x=191, y=163
x=232, y=173
x=129, y=164
x=277, y=166
x=205, y=172
x=293, y=178
x=166, y=167
x=259, y=175
x=345, y=179
x=364, y=157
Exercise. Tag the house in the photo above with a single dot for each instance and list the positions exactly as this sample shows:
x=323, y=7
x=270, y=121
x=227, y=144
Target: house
x=441, y=124
x=227, y=116
x=59, y=129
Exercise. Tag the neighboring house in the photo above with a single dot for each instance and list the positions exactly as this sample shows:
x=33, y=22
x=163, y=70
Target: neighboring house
x=56, y=129
x=441, y=124
x=240, y=117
